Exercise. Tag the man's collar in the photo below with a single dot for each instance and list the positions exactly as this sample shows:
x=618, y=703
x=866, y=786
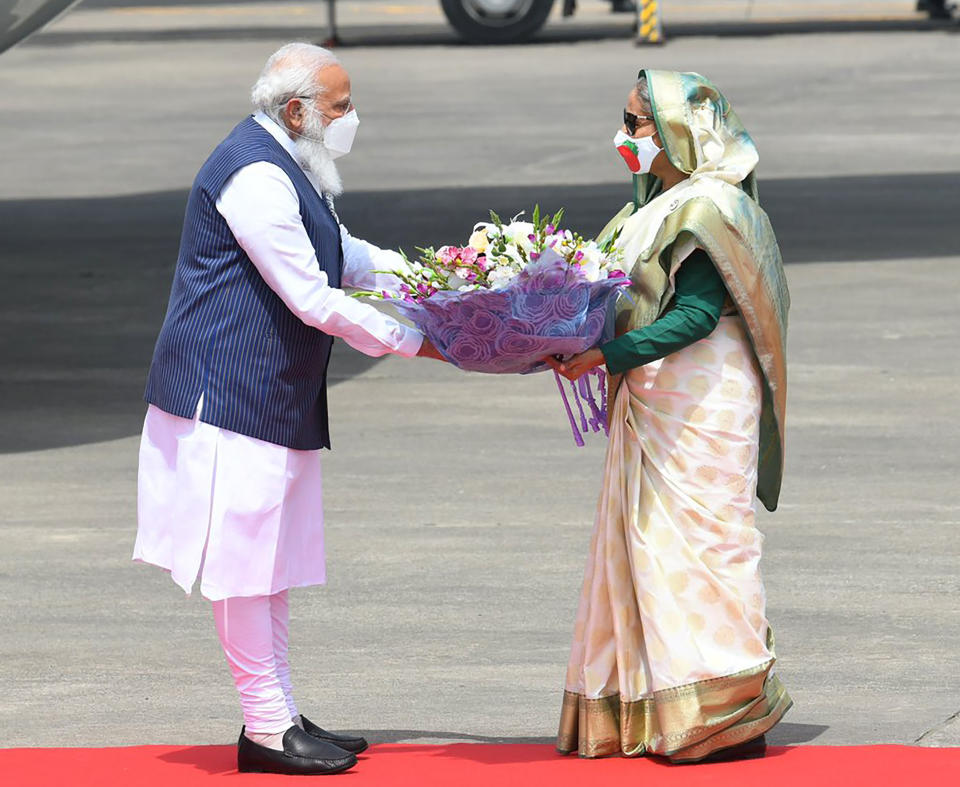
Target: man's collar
x=278, y=133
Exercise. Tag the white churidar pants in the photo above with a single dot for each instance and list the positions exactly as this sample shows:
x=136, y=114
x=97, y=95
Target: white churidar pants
x=254, y=633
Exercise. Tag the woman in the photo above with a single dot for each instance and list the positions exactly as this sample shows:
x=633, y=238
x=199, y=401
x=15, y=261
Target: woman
x=672, y=652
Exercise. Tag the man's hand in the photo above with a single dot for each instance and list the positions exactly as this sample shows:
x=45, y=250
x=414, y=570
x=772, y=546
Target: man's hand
x=578, y=365
x=427, y=350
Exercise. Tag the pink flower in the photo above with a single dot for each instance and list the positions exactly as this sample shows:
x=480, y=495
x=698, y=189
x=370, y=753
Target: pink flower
x=469, y=255
x=578, y=256
x=616, y=273
x=448, y=254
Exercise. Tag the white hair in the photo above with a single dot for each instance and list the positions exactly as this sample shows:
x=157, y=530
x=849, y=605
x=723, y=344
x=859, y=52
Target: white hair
x=642, y=90
x=289, y=72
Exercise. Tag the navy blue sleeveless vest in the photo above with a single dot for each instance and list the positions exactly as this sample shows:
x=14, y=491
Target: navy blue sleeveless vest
x=230, y=338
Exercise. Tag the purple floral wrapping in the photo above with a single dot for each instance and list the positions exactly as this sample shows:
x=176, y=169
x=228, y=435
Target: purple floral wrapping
x=550, y=308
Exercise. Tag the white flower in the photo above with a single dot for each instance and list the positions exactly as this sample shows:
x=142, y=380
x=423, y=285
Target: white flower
x=590, y=269
x=562, y=244
x=516, y=228
x=519, y=232
x=455, y=282
x=500, y=277
x=490, y=230
x=479, y=239
x=590, y=264
x=511, y=257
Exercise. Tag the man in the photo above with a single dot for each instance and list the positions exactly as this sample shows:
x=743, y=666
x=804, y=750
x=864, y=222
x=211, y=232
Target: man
x=229, y=476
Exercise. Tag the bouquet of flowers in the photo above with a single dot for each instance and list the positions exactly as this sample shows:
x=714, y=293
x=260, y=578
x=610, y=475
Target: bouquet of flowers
x=515, y=293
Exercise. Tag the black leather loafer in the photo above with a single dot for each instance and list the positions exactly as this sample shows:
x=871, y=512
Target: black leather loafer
x=350, y=743
x=302, y=755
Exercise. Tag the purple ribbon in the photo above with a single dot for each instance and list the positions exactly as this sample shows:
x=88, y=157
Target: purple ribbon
x=582, y=388
x=573, y=423
x=576, y=398
x=586, y=393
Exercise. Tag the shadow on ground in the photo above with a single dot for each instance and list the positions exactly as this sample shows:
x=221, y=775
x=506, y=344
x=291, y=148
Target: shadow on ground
x=424, y=736
x=784, y=734
x=86, y=280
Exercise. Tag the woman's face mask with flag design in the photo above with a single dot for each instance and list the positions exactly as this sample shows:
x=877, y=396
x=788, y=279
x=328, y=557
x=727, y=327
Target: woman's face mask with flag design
x=637, y=152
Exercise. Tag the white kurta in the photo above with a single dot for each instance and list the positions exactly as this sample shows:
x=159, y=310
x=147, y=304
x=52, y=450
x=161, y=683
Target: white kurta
x=245, y=515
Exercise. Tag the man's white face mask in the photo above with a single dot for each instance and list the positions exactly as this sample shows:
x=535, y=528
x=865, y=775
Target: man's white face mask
x=337, y=136
x=318, y=145
x=339, y=133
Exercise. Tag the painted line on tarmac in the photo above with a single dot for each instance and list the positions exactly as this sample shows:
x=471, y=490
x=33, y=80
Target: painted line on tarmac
x=257, y=10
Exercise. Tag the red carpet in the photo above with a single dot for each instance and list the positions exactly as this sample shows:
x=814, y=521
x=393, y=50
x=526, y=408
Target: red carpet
x=469, y=765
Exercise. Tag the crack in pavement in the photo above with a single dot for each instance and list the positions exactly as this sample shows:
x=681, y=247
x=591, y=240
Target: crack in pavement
x=937, y=727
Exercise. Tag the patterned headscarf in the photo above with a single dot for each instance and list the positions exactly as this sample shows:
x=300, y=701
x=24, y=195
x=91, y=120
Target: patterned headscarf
x=701, y=134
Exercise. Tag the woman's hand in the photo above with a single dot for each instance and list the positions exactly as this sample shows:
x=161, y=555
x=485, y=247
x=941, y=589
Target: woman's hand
x=577, y=366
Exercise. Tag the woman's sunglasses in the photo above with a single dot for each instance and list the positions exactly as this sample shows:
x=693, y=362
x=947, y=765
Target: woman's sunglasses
x=632, y=121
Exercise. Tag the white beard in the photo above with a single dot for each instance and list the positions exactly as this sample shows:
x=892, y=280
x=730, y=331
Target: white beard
x=315, y=158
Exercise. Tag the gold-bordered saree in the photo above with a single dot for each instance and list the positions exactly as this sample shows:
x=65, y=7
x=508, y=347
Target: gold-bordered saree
x=672, y=651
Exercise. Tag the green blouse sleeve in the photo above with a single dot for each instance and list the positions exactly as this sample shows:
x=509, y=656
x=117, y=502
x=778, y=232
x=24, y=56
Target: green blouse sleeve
x=698, y=303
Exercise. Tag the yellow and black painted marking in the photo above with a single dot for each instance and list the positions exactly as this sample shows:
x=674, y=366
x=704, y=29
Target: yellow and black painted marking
x=649, y=22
